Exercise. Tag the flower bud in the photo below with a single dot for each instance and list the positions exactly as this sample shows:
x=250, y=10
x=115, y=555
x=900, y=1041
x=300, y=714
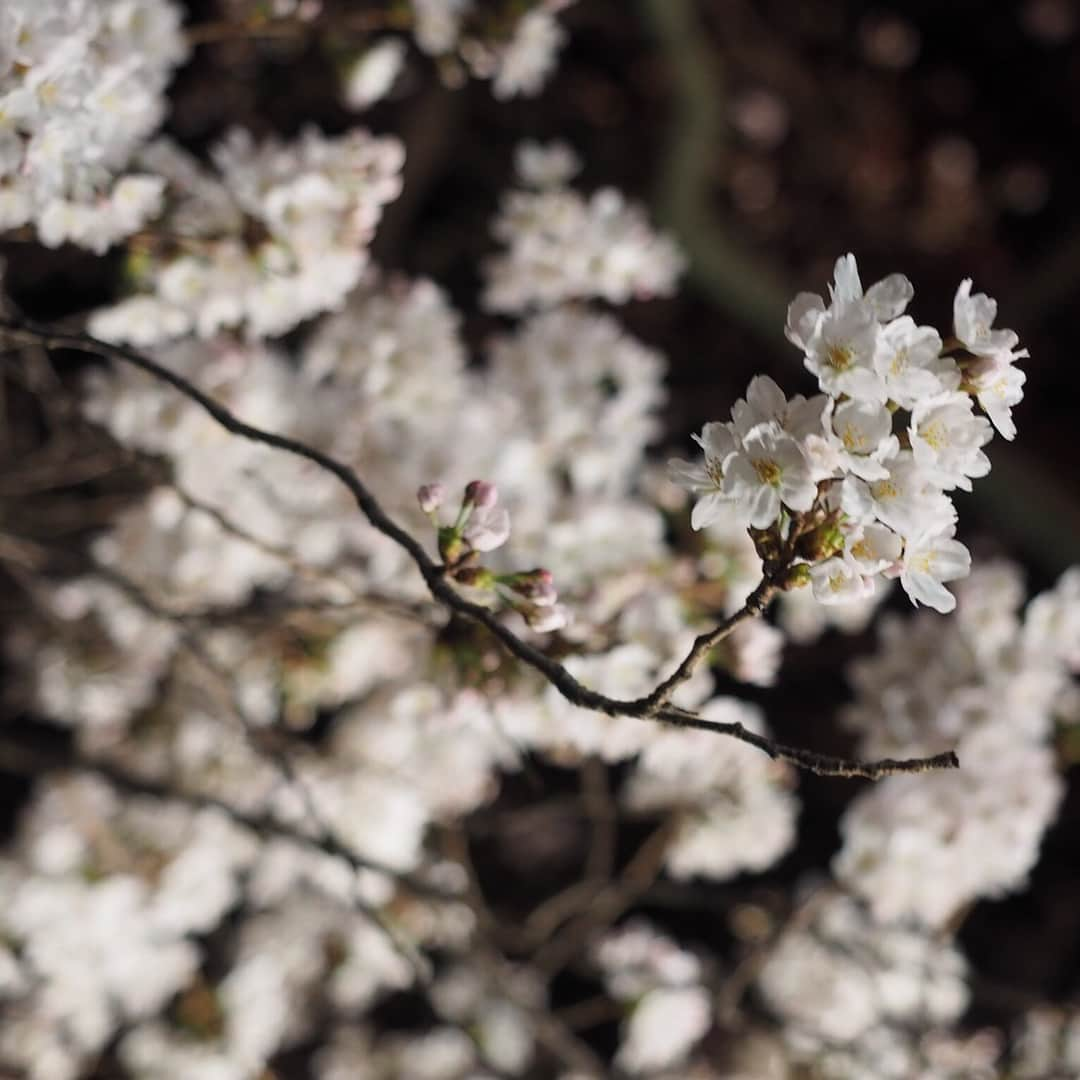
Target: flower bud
x=821, y=543
x=451, y=546
x=481, y=494
x=431, y=497
x=546, y=619
x=475, y=577
x=796, y=577
x=537, y=586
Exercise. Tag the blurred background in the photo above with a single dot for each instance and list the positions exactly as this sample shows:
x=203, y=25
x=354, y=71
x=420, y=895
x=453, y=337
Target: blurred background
x=935, y=139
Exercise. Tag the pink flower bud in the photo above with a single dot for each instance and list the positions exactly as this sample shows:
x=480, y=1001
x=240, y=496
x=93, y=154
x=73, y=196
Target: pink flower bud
x=431, y=497
x=481, y=494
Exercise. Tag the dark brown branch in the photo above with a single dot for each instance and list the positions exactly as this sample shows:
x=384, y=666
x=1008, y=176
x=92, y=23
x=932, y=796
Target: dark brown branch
x=653, y=706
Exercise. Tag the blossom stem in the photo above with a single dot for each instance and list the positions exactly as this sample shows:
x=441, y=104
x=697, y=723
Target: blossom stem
x=24, y=332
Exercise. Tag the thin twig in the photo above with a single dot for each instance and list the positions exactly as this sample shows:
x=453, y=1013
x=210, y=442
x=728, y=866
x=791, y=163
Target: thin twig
x=653, y=706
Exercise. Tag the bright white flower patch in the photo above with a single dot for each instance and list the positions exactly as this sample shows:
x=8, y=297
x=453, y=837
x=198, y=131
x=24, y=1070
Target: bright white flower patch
x=81, y=86
x=875, y=455
x=280, y=235
x=857, y=996
x=563, y=246
x=670, y=1009
x=984, y=683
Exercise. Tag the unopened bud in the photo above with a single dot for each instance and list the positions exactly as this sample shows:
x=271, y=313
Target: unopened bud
x=537, y=586
x=821, y=543
x=795, y=577
x=476, y=577
x=451, y=546
x=546, y=619
x=481, y=494
x=431, y=497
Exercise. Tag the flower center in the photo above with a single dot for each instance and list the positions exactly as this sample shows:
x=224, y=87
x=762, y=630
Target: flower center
x=853, y=439
x=768, y=472
x=923, y=564
x=884, y=489
x=934, y=436
x=899, y=362
x=839, y=357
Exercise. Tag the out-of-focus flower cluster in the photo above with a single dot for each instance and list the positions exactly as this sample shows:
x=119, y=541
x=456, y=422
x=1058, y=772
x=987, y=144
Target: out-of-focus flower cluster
x=565, y=247
x=859, y=1000
x=300, y=611
x=81, y=86
x=278, y=236
x=518, y=57
x=516, y=50
x=990, y=685
x=243, y=640
x=865, y=467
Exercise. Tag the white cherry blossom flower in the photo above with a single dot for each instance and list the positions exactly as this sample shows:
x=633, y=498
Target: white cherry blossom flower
x=839, y=580
x=946, y=438
x=886, y=299
x=930, y=559
x=373, y=75
x=973, y=319
x=765, y=402
x=909, y=359
x=873, y=548
x=906, y=500
x=527, y=60
x=664, y=1025
x=841, y=353
x=998, y=386
x=768, y=470
x=707, y=479
x=864, y=431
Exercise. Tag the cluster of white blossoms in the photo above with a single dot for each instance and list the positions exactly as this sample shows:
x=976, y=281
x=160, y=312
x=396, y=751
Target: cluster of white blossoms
x=861, y=1002
x=563, y=246
x=279, y=235
x=988, y=685
x=518, y=63
x=101, y=896
x=242, y=640
x=663, y=988
x=81, y=86
x=868, y=464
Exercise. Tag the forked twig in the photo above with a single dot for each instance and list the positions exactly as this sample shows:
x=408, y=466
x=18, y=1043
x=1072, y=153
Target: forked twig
x=654, y=706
